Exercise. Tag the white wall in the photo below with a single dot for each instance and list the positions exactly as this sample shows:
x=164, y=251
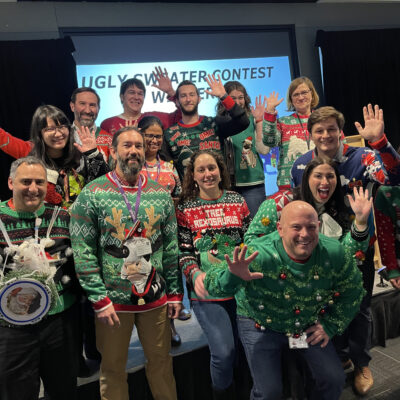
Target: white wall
x=42, y=20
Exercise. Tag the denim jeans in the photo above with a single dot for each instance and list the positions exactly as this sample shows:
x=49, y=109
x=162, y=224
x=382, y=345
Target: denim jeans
x=218, y=322
x=264, y=350
x=254, y=196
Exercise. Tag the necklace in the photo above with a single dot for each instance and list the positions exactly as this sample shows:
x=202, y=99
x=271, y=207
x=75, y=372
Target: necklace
x=158, y=164
x=304, y=131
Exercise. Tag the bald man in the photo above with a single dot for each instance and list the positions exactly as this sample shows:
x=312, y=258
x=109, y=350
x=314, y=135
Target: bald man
x=297, y=290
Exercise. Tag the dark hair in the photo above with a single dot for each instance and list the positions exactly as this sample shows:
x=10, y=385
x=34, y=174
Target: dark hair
x=186, y=83
x=294, y=85
x=84, y=89
x=322, y=114
x=190, y=189
x=148, y=121
x=132, y=82
x=230, y=87
x=71, y=155
x=335, y=206
x=117, y=134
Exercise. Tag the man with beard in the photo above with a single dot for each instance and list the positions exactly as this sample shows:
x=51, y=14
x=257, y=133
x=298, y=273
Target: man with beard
x=118, y=218
x=196, y=132
x=85, y=104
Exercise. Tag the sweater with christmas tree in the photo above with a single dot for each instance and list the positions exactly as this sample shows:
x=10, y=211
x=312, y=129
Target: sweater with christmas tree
x=20, y=226
x=208, y=229
x=291, y=296
x=100, y=223
x=291, y=135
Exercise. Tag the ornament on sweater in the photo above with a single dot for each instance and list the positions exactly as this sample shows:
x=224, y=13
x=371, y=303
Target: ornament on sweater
x=248, y=157
x=28, y=291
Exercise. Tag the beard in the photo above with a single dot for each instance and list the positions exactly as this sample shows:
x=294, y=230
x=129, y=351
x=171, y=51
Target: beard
x=130, y=170
x=189, y=113
x=88, y=121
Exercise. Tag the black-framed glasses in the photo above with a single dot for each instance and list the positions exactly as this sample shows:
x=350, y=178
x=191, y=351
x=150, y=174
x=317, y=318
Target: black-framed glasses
x=150, y=136
x=303, y=93
x=51, y=130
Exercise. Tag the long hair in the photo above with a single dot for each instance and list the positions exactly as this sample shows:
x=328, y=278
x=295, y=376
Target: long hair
x=190, y=189
x=230, y=87
x=335, y=206
x=71, y=155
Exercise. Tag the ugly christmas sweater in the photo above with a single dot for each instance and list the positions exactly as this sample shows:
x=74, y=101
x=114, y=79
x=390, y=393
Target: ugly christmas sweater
x=291, y=135
x=208, y=229
x=100, y=222
x=21, y=226
x=292, y=296
x=205, y=134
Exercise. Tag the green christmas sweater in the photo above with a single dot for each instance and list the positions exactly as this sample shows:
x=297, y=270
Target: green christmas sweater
x=264, y=222
x=292, y=296
x=249, y=168
x=206, y=134
x=291, y=135
x=21, y=226
x=100, y=223
x=207, y=230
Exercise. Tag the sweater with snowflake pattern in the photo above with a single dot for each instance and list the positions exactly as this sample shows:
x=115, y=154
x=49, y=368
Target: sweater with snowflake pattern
x=208, y=229
x=291, y=296
x=100, y=221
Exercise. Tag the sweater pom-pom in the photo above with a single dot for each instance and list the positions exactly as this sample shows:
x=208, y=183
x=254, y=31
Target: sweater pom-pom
x=47, y=242
x=65, y=279
x=69, y=252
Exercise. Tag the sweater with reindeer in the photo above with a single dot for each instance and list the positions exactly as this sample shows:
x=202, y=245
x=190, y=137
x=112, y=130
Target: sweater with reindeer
x=100, y=226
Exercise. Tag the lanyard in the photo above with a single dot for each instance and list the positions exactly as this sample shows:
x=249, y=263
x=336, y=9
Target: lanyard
x=158, y=168
x=128, y=204
x=304, y=132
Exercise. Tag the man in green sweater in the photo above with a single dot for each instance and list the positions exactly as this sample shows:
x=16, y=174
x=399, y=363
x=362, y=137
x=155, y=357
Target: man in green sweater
x=302, y=288
x=39, y=311
x=124, y=237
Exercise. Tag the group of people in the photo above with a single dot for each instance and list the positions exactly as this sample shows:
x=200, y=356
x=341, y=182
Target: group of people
x=118, y=212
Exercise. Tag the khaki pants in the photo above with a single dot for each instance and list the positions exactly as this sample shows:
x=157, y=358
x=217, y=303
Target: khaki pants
x=155, y=336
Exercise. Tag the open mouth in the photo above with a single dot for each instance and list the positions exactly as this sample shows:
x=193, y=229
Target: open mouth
x=323, y=193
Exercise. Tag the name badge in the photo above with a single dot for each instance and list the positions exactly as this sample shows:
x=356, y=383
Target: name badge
x=298, y=343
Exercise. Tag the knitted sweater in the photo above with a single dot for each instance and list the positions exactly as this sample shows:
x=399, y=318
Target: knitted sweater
x=291, y=135
x=206, y=134
x=292, y=296
x=165, y=174
x=358, y=166
x=387, y=217
x=100, y=221
x=208, y=229
x=21, y=225
x=269, y=213
x=63, y=186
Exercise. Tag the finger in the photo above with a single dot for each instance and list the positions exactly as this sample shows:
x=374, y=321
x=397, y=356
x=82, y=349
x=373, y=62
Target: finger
x=228, y=260
x=165, y=72
x=256, y=275
x=358, y=126
x=243, y=252
x=325, y=342
x=376, y=111
x=170, y=312
x=252, y=257
x=115, y=319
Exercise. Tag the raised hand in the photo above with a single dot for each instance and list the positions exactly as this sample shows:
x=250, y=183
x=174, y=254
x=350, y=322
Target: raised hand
x=374, y=124
x=88, y=139
x=163, y=81
x=361, y=206
x=240, y=264
x=273, y=101
x=259, y=109
x=216, y=87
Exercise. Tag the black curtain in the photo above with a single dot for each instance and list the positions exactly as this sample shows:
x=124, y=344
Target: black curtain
x=361, y=67
x=32, y=73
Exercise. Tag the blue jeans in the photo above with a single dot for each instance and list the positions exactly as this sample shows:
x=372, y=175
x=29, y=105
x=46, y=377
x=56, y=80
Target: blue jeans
x=254, y=196
x=264, y=350
x=218, y=322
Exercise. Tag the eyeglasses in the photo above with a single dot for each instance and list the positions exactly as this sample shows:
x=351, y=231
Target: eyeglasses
x=303, y=93
x=51, y=130
x=151, y=137
x=240, y=98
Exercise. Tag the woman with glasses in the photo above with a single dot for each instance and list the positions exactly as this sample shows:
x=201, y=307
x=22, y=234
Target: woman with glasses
x=290, y=132
x=69, y=165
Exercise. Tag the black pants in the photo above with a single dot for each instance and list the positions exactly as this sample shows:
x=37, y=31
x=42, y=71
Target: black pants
x=46, y=350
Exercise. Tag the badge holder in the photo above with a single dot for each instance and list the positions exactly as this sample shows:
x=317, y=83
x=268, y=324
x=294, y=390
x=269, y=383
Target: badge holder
x=298, y=343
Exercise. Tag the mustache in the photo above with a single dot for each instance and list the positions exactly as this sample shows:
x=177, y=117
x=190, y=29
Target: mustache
x=87, y=114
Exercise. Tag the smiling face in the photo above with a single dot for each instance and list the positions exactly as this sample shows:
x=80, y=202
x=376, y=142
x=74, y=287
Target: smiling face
x=207, y=175
x=188, y=99
x=322, y=183
x=301, y=99
x=132, y=100
x=238, y=98
x=153, y=137
x=298, y=228
x=326, y=137
x=55, y=138
x=85, y=108
x=29, y=187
